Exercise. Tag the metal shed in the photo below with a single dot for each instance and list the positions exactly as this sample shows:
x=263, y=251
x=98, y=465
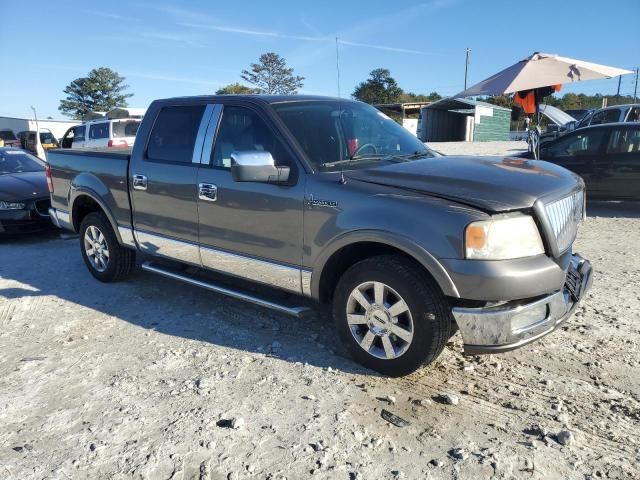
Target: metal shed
x=462, y=119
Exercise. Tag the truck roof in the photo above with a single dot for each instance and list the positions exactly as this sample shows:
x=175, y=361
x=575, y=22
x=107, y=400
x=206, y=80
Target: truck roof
x=257, y=98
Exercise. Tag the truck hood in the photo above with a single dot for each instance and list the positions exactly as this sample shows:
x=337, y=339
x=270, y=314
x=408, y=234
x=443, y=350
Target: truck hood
x=493, y=184
x=17, y=187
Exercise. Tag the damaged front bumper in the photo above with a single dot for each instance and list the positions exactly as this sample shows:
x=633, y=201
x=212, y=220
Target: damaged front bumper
x=511, y=325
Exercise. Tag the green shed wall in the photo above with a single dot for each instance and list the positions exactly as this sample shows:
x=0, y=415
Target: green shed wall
x=493, y=128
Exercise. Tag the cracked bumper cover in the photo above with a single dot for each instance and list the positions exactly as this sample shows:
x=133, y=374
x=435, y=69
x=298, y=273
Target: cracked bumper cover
x=508, y=326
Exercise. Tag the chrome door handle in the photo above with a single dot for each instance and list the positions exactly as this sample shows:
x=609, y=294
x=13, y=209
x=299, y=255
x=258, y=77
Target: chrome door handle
x=208, y=192
x=139, y=182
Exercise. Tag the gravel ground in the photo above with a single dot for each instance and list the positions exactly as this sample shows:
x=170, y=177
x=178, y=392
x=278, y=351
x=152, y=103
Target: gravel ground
x=147, y=379
x=154, y=379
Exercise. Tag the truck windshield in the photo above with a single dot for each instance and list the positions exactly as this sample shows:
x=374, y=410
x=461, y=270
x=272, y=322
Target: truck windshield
x=48, y=138
x=127, y=128
x=347, y=135
x=17, y=161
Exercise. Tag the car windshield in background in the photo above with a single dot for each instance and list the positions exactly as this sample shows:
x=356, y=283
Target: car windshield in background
x=125, y=129
x=47, y=137
x=7, y=135
x=347, y=135
x=16, y=161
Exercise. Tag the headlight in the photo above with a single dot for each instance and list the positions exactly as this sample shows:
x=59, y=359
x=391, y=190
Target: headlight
x=502, y=238
x=11, y=205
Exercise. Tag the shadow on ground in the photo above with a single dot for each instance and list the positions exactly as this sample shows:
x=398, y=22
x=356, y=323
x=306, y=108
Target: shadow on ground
x=612, y=209
x=50, y=264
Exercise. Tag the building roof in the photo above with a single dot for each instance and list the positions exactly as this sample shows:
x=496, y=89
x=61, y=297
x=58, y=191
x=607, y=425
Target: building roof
x=462, y=104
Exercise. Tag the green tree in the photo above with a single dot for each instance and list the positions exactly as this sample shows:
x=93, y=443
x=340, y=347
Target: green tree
x=236, y=89
x=505, y=101
x=101, y=90
x=409, y=97
x=272, y=76
x=381, y=87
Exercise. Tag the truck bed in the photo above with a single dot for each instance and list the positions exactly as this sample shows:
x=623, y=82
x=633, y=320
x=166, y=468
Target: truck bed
x=104, y=172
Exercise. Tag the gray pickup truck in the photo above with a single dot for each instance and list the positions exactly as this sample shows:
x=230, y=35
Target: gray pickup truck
x=330, y=199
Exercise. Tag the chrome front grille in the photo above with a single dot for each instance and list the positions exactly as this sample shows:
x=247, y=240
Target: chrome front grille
x=564, y=216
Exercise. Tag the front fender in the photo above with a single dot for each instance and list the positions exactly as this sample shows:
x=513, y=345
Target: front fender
x=428, y=261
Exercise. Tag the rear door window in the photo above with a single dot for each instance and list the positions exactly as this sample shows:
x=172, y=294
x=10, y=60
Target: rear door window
x=125, y=129
x=98, y=131
x=174, y=132
x=634, y=115
x=606, y=116
x=624, y=140
x=583, y=143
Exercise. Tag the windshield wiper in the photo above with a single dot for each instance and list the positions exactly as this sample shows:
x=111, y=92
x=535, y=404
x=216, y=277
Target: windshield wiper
x=354, y=159
x=416, y=155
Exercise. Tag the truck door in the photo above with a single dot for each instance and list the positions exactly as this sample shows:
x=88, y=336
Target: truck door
x=162, y=181
x=79, y=137
x=251, y=230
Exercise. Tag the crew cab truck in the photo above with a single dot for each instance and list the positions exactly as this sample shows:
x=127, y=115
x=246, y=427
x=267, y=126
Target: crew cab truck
x=330, y=199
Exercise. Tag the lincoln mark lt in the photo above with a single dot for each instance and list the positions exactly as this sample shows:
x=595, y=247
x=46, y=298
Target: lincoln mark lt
x=272, y=198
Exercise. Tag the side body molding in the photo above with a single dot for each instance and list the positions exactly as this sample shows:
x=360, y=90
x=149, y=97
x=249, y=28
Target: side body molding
x=421, y=255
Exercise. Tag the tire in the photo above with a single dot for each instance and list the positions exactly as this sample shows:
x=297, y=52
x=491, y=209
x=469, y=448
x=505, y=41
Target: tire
x=417, y=334
x=105, y=258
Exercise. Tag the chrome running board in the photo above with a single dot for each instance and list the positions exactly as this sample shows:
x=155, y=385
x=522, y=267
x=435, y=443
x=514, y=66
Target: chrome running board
x=237, y=294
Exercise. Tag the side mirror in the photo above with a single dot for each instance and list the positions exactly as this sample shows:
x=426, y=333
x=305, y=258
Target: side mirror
x=256, y=166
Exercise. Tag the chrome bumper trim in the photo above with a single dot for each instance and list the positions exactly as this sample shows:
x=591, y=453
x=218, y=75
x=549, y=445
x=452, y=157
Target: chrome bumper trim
x=60, y=218
x=127, y=237
x=514, y=324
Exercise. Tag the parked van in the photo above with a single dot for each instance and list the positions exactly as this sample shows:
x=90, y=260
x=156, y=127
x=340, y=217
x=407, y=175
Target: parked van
x=102, y=133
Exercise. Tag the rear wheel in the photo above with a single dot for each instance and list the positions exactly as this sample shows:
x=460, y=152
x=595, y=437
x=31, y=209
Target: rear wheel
x=391, y=314
x=105, y=258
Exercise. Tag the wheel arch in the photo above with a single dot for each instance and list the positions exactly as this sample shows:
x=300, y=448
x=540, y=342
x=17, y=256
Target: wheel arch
x=85, y=201
x=351, y=248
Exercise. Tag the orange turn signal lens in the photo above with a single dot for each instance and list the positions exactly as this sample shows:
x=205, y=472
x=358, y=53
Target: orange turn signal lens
x=475, y=237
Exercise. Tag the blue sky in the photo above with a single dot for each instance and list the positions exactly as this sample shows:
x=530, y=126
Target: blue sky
x=193, y=47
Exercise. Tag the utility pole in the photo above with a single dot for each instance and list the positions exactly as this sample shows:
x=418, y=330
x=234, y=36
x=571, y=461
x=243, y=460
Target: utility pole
x=338, y=65
x=635, y=90
x=466, y=68
x=39, y=149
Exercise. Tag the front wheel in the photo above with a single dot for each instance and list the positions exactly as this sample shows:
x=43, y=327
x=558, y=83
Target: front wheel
x=106, y=259
x=391, y=315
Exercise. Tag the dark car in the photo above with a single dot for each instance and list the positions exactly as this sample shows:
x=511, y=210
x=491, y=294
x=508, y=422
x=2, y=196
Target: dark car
x=24, y=196
x=9, y=138
x=606, y=156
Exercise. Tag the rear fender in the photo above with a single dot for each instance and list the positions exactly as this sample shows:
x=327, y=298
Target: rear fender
x=89, y=185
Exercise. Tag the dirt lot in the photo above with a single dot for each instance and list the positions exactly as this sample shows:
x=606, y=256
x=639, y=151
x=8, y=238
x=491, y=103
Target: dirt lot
x=147, y=379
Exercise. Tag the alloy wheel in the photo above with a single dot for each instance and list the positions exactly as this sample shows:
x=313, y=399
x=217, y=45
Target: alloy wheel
x=96, y=248
x=379, y=320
